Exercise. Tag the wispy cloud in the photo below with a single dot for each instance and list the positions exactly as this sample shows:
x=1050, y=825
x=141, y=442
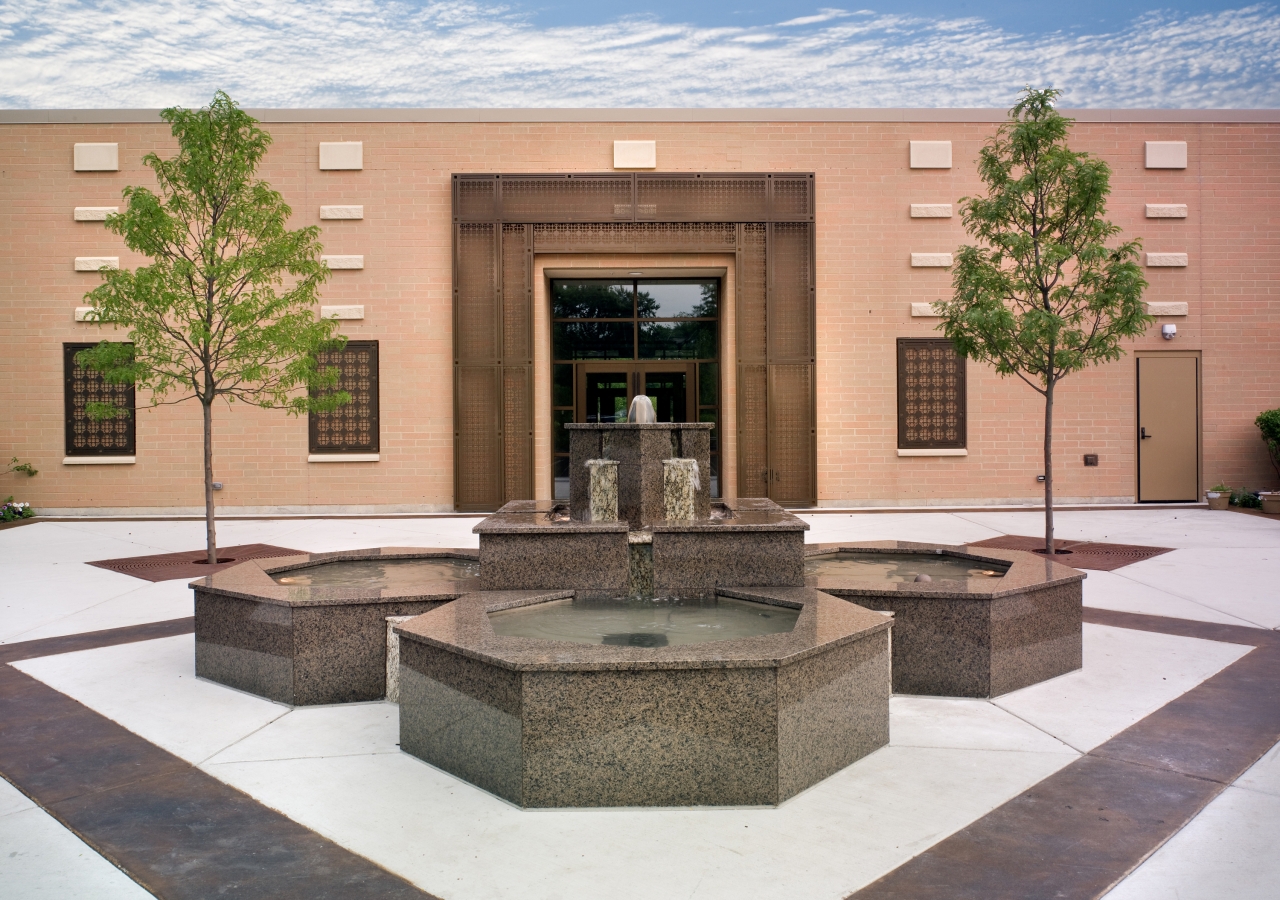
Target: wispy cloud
x=292, y=53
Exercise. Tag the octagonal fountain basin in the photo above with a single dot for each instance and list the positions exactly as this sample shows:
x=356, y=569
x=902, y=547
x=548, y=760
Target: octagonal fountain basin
x=751, y=716
x=663, y=622
x=987, y=622
x=901, y=567
x=312, y=629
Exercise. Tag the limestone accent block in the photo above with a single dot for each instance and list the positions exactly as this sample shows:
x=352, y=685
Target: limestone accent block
x=934, y=451
x=930, y=260
x=923, y=311
x=931, y=210
x=1158, y=308
x=342, y=212
x=85, y=314
x=342, y=312
x=99, y=460
x=95, y=263
x=1166, y=210
x=342, y=154
x=343, y=457
x=343, y=262
x=96, y=157
x=635, y=154
x=1166, y=154
x=931, y=154
x=94, y=213
x=1166, y=259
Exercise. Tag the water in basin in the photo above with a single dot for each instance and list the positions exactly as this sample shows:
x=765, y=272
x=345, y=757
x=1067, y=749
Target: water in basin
x=663, y=622
x=901, y=566
x=398, y=575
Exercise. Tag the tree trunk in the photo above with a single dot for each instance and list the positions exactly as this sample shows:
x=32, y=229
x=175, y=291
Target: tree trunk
x=1048, y=469
x=211, y=536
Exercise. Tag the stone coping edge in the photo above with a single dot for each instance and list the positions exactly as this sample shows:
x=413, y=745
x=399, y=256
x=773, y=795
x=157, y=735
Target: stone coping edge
x=656, y=114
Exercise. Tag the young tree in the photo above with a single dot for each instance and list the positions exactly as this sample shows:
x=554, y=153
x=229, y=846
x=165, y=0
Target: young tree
x=1042, y=294
x=227, y=306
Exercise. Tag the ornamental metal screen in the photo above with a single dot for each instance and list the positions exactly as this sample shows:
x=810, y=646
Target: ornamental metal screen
x=95, y=437
x=501, y=221
x=931, y=395
x=352, y=427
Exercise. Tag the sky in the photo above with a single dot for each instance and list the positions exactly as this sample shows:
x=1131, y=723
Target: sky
x=57, y=54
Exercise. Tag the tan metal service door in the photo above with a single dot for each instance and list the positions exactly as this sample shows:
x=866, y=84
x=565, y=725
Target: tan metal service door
x=1168, y=428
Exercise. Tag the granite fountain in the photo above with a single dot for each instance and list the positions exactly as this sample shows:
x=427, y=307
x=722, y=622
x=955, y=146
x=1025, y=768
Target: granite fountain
x=642, y=644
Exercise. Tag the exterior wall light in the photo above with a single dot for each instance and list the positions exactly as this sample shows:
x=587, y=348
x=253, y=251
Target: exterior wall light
x=1169, y=332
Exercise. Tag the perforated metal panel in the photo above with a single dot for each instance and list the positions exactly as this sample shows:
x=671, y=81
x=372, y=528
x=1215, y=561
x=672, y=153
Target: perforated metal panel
x=517, y=295
x=636, y=238
x=791, y=434
x=565, y=198
x=475, y=336
x=477, y=444
x=753, y=431
x=792, y=198
x=702, y=198
x=517, y=432
x=95, y=437
x=751, y=307
x=352, y=427
x=475, y=198
x=503, y=219
x=790, y=314
x=931, y=394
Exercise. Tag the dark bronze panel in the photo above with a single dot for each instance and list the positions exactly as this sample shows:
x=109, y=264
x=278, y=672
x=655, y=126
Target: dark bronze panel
x=95, y=437
x=751, y=307
x=792, y=437
x=477, y=443
x=517, y=433
x=931, y=395
x=475, y=198
x=352, y=427
x=702, y=198
x=753, y=431
x=566, y=198
x=517, y=295
x=475, y=335
x=635, y=238
x=790, y=314
x=791, y=198
x=503, y=219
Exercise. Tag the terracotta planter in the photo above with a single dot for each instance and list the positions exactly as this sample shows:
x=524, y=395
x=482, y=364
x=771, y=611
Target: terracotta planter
x=1271, y=503
x=1218, y=499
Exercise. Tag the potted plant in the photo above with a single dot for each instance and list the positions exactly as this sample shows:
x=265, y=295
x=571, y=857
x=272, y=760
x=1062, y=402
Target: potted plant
x=1269, y=424
x=1219, y=496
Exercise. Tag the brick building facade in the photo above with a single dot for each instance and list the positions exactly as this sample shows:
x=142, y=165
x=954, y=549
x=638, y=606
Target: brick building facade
x=1202, y=190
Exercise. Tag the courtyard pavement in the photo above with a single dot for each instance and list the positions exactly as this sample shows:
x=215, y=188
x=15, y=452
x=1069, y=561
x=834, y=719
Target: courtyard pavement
x=338, y=771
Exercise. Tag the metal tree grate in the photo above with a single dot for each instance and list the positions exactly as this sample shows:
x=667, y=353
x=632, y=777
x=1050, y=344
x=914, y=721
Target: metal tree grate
x=190, y=564
x=1096, y=555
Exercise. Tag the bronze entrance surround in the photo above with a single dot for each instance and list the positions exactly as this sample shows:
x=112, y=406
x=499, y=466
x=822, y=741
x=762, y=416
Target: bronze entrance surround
x=501, y=221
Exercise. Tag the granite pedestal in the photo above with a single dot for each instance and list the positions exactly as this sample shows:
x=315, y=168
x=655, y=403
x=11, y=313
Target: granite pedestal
x=556, y=724
x=306, y=645
x=980, y=637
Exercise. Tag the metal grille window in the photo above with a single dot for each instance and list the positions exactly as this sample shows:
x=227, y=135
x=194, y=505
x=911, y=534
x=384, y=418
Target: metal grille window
x=95, y=437
x=352, y=427
x=931, y=395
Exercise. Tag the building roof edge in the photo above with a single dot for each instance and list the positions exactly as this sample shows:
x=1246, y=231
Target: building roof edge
x=496, y=116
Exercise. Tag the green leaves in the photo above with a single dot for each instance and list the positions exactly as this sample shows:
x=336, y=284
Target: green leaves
x=1042, y=293
x=226, y=306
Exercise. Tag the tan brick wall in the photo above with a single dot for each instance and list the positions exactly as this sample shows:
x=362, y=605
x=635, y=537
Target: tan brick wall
x=865, y=286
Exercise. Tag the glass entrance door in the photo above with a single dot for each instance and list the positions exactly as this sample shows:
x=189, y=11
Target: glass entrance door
x=613, y=339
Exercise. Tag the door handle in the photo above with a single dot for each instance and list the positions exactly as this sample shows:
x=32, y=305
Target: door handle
x=1143, y=434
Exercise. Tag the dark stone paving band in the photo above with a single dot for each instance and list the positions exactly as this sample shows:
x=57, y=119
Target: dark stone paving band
x=175, y=830
x=181, y=833
x=1083, y=829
